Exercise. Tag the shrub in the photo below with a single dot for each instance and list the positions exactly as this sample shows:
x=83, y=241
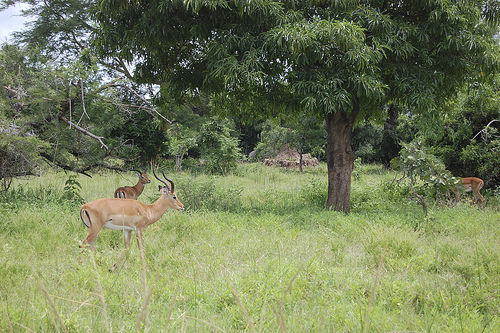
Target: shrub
x=316, y=192
x=207, y=194
x=71, y=191
x=219, y=149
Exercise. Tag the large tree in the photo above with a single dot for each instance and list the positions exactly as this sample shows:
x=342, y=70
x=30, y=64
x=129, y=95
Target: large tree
x=339, y=60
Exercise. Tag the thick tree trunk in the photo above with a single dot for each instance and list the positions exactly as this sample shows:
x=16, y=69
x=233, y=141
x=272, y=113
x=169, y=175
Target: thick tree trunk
x=340, y=158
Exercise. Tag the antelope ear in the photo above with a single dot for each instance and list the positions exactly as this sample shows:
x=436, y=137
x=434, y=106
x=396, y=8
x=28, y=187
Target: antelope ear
x=159, y=187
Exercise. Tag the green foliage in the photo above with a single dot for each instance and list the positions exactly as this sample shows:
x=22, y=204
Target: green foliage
x=315, y=193
x=208, y=194
x=19, y=154
x=146, y=135
x=62, y=112
x=71, y=191
x=306, y=135
x=219, y=150
x=366, y=140
x=469, y=143
x=356, y=173
x=85, y=109
x=415, y=161
x=287, y=58
x=273, y=138
x=305, y=58
x=396, y=191
x=180, y=139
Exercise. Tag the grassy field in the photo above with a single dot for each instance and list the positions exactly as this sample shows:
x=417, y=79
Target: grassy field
x=254, y=251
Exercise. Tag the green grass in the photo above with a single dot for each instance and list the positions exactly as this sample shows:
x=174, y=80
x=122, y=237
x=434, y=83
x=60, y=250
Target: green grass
x=254, y=251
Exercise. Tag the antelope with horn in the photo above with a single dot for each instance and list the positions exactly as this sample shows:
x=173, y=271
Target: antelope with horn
x=127, y=215
x=132, y=192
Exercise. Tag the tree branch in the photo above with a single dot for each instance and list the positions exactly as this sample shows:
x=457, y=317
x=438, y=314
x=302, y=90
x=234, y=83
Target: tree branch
x=64, y=166
x=84, y=131
x=136, y=94
x=484, y=129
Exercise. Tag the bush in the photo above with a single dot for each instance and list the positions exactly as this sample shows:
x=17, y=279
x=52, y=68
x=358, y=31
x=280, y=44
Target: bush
x=316, y=192
x=71, y=192
x=219, y=150
x=207, y=194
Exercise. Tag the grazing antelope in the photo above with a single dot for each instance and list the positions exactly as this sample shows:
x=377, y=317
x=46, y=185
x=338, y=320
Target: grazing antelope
x=473, y=184
x=127, y=215
x=132, y=192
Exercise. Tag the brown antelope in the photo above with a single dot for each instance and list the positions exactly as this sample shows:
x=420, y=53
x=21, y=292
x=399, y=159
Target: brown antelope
x=132, y=192
x=471, y=184
x=127, y=215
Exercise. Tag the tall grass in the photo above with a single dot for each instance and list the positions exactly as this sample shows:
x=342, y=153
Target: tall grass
x=254, y=251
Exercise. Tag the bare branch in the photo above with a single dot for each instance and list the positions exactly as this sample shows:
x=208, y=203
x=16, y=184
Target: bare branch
x=136, y=94
x=484, y=130
x=83, y=103
x=12, y=90
x=130, y=106
x=84, y=131
x=122, y=68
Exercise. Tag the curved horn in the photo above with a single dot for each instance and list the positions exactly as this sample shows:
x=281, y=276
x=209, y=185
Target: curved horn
x=140, y=172
x=171, y=182
x=161, y=180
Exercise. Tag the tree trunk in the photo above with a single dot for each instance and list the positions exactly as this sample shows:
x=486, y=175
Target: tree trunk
x=390, y=124
x=390, y=147
x=300, y=161
x=178, y=162
x=340, y=158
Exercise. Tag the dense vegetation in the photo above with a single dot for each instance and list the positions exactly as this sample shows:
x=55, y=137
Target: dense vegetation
x=117, y=84
x=207, y=89
x=254, y=251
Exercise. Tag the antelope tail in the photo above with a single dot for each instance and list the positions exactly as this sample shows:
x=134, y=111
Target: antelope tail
x=84, y=215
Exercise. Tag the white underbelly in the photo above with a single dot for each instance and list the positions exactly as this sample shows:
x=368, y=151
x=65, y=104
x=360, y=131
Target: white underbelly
x=112, y=226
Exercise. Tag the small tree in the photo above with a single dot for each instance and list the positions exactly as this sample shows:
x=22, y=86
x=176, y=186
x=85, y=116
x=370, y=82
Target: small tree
x=272, y=139
x=19, y=154
x=218, y=148
x=307, y=134
x=181, y=139
x=415, y=163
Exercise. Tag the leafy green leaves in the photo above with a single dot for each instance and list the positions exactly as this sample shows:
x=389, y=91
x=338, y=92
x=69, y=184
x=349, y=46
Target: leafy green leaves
x=416, y=162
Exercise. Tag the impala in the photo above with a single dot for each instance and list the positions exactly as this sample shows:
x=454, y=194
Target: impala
x=132, y=192
x=473, y=184
x=127, y=215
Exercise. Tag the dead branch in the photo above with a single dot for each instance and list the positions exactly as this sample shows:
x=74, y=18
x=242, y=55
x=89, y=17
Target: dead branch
x=84, y=131
x=83, y=103
x=136, y=94
x=14, y=91
x=484, y=130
